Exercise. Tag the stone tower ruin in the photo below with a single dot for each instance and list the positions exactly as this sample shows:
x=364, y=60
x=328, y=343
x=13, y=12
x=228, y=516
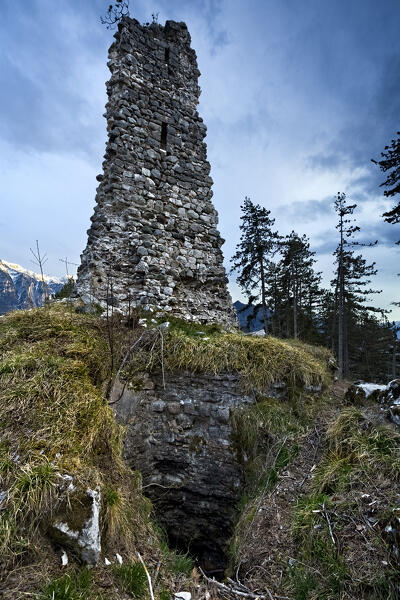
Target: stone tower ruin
x=154, y=240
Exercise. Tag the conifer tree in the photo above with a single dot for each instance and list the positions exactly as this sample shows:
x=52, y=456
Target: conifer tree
x=294, y=290
x=301, y=281
x=390, y=162
x=258, y=244
x=352, y=278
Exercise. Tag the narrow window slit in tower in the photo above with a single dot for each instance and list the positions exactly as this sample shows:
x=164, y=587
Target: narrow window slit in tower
x=164, y=136
x=166, y=56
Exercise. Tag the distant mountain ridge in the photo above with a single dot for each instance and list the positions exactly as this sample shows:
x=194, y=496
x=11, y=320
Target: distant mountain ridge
x=247, y=321
x=21, y=288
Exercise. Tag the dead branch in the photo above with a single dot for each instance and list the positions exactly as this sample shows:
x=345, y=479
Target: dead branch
x=241, y=593
x=115, y=13
x=324, y=512
x=147, y=575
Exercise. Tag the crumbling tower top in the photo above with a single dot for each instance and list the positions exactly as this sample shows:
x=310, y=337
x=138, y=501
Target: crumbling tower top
x=153, y=231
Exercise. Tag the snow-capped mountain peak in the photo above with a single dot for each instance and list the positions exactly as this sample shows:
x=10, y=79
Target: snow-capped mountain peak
x=14, y=270
x=22, y=288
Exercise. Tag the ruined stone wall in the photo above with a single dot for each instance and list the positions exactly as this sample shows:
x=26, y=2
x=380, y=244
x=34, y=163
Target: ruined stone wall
x=180, y=438
x=154, y=228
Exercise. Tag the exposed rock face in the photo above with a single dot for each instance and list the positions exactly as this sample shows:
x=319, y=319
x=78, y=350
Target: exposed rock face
x=154, y=227
x=180, y=439
x=77, y=525
x=22, y=289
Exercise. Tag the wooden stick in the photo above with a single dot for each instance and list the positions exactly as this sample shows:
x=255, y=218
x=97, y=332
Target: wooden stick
x=329, y=523
x=230, y=590
x=148, y=576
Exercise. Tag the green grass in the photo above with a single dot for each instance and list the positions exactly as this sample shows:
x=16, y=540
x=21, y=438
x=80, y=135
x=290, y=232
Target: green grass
x=190, y=328
x=54, y=374
x=181, y=563
x=360, y=457
x=54, y=377
x=303, y=582
x=318, y=553
x=266, y=437
x=133, y=579
x=356, y=452
x=174, y=561
x=260, y=362
x=70, y=587
x=164, y=594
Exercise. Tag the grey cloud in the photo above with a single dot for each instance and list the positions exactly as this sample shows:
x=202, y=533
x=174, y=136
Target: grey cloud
x=42, y=105
x=328, y=161
x=385, y=233
x=308, y=210
x=36, y=117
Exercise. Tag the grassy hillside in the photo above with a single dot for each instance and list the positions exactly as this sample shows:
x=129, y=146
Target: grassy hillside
x=59, y=439
x=57, y=427
x=321, y=510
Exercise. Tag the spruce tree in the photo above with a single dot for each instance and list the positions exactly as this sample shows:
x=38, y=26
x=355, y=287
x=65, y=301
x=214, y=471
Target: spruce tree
x=294, y=290
x=258, y=244
x=351, y=282
x=390, y=162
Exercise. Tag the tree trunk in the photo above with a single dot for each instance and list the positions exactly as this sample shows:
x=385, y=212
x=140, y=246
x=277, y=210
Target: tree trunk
x=264, y=305
x=334, y=313
x=294, y=289
x=341, y=305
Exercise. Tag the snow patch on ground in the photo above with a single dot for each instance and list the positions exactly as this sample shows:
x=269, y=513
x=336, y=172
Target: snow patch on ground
x=90, y=540
x=369, y=388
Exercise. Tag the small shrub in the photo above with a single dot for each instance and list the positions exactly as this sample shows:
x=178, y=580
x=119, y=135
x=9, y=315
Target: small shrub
x=66, y=290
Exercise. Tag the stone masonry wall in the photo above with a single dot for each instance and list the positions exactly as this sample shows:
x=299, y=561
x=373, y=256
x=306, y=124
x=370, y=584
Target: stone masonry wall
x=180, y=439
x=154, y=241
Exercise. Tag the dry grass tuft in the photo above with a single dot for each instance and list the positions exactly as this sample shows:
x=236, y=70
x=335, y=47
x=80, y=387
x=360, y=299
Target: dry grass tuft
x=259, y=361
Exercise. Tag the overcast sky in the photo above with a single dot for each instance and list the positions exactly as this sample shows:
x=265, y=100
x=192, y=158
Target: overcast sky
x=298, y=96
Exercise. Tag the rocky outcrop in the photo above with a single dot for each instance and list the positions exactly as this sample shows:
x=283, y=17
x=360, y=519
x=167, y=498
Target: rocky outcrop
x=180, y=437
x=154, y=241
x=249, y=316
x=77, y=524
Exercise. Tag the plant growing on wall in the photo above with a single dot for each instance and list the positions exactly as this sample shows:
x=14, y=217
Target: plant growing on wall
x=115, y=13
